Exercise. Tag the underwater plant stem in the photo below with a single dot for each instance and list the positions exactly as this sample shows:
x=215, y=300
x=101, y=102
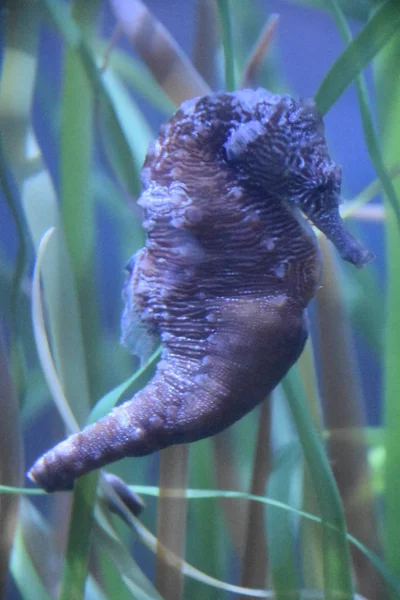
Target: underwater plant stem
x=171, y=519
x=10, y=464
x=227, y=42
x=255, y=556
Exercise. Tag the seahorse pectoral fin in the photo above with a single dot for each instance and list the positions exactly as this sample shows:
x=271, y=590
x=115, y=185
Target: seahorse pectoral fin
x=331, y=224
x=136, y=334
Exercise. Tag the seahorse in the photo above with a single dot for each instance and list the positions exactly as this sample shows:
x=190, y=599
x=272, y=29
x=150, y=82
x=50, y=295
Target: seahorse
x=230, y=189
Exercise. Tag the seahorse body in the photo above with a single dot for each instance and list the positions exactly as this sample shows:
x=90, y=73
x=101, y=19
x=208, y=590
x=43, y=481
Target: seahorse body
x=229, y=266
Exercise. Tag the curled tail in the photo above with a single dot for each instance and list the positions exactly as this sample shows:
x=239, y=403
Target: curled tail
x=229, y=373
x=126, y=431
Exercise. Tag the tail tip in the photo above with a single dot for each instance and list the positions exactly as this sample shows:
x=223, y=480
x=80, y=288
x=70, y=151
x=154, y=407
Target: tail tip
x=48, y=481
x=31, y=476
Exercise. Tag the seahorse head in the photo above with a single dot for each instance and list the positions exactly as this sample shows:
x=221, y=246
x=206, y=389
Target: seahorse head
x=279, y=144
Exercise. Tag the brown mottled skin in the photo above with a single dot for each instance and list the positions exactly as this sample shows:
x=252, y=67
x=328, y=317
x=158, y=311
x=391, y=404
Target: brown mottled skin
x=229, y=267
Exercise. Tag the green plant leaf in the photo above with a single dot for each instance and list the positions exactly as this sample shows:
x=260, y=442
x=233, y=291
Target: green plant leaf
x=105, y=404
x=20, y=227
x=280, y=525
x=70, y=33
x=118, y=113
x=41, y=212
x=42, y=343
x=24, y=573
x=77, y=203
x=336, y=555
x=381, y=25
x=76, y=564
x=388, y=98
x=384, y=24
x=138, y=584
x=9, y=489
x=378, y=563
x=129, y=70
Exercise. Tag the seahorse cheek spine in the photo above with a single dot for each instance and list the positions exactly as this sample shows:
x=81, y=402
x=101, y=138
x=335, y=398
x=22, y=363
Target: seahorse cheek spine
x=227, y=272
